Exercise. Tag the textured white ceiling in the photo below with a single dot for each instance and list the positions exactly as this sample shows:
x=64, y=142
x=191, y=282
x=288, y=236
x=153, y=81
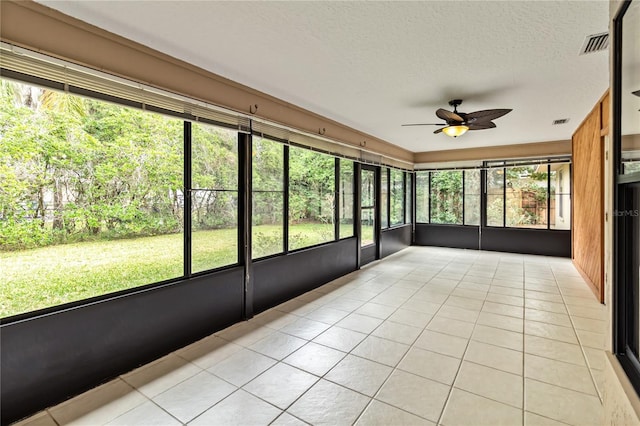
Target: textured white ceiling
x=376, y=65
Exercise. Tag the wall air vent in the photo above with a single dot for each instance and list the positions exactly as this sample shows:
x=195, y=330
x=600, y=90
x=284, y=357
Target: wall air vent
x=561, y=121
x=595, y=43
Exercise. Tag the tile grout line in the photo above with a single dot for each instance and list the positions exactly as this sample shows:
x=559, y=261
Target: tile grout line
x=394, y=368
x=449, y=261
x=448, y=399
x=346, y=354
x=584, y=355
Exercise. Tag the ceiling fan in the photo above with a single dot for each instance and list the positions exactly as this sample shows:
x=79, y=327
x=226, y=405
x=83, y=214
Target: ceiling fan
x=457, y=123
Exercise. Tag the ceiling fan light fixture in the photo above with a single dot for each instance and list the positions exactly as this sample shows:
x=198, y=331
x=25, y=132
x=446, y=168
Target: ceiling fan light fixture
x=455, y=131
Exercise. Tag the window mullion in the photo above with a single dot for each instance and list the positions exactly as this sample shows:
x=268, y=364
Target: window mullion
x=336, y=200
x=285, y=208
x=186, y=214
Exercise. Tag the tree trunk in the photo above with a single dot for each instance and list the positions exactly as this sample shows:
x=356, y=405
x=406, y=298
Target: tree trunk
x=57, y=205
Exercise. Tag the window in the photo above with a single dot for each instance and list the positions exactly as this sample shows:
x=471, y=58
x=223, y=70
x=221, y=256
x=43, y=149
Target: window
x=626, y=216
x=408, y=198
x=397, y=197
x=267, y=231
x=91, y=199
x=422, y=197
x=495, y=197
x=214, y=197
x=560, y=196
x=311, y=198
x=472, y=197
x=367, y=207
x=522, y=196
x=526, y=196
x=446, y=197
x=530, y=196
x=345, y=202
x=384, y=197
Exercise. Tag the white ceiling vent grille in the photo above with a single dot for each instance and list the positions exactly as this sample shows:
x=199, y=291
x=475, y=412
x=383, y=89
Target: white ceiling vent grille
x=561, y=121
x=595, y=43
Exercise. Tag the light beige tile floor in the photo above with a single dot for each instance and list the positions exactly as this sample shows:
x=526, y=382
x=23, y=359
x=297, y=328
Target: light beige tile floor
x=426, y=336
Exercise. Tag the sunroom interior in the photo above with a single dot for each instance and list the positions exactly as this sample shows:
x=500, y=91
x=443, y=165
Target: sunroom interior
x=184, y=172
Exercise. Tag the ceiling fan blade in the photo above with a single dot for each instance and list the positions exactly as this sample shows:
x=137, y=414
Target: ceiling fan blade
x=481, y=125
x=486, y=115
x=448, y=115
x=440, y=130
x=424, y=124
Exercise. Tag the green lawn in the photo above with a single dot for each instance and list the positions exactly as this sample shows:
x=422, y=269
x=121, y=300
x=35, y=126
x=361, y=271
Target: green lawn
x=48, y=276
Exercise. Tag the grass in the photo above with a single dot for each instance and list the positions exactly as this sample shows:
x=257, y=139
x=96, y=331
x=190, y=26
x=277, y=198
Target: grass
x=49, y=276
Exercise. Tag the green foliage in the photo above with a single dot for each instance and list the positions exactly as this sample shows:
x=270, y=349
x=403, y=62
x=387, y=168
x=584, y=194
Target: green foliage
x=47, y=276
x=312, y=186
x=526, y=196
x=214, y=177
x=17, y=234
x=422, y=197
x=397, y=197
x=75, y=169
x=346, y=198
x=267, y=240
x=384, y=197
x=472, y=197
x=446, y=197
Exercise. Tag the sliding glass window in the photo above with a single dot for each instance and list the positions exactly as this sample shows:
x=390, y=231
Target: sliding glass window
x=91, y=200
x=422, y=197
x=560, y=196
x=368, y=207
x=397, y=197
x=495, y=197
x=346, y=198
x=530, y=196
x=526, y=196
x=472, y=197
x=311, y=198
x=408, y=198
x=446, y=197
x=267, y=231
x=214, y=197
x=384, y=197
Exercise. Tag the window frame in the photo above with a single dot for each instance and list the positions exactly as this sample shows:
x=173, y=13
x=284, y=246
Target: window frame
x=403, y=193
x=431, y=187
x=284, y=192
x=625, y=304
x=188, y=179
x=385, y=198
x=483, y=191
x=339, y=191
x=514, y=163
x=288, y=192
x=187, y=230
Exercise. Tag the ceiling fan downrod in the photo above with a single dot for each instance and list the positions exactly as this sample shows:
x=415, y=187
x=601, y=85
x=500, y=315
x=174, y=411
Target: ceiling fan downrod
x=455, y=103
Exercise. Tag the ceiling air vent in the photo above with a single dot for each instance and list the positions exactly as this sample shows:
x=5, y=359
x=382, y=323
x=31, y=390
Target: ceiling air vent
x=561, y=121
x=595, y=43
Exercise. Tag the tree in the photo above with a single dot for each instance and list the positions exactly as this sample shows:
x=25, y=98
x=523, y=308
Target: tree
x=75, y=168
x=446, y=197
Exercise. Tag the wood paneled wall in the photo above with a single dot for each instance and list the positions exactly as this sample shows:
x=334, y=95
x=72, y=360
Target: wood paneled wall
x=588, y=196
